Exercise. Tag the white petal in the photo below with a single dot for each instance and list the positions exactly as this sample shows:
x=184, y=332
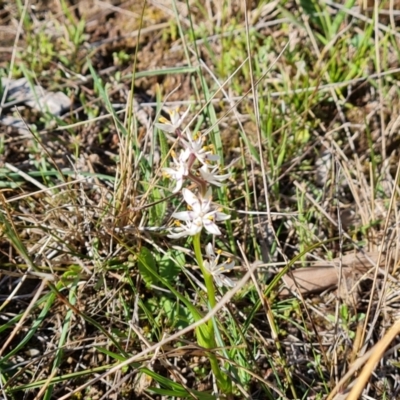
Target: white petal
x=166, y=127
x=194, y=229
x=222, y=280
x=207, y=265
x=181, y=119
x=174, y=116
x=184, y=155
x=219, y=216
x=228, y=266
x=190, y=198
x=190, y=229
x=210, y=251
x=212, y=157
x=210, y=178
x=211, y=227
x=223, y=268
x=168, y=171
x=177, y=235
x=183, y=215
x=178, y=186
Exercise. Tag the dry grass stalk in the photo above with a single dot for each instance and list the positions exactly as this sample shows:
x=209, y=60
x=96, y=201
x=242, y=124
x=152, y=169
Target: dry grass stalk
x=371, y=358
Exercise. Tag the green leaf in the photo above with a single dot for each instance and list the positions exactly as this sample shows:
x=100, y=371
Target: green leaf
x=147, y=266
x=340, y=16
x=170, y=264
x=173, y=388
x=148, y=270
x=115, y=356
x=157, y=212
x=309, y=8
x=98, y=85
x=182, y=394
x=163, y=144
x=204, y=336
x=178, y=315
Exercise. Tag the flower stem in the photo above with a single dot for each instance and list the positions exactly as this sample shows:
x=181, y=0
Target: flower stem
x=208, y=279
x=208, y=341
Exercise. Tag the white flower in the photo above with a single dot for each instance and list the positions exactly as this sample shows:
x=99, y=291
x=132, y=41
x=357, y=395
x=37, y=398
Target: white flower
x=179, y=171
x=170, y=126
x=217, y=270
x=190, y=229
x=200, y=215
x=195, y=145
x=211, y=176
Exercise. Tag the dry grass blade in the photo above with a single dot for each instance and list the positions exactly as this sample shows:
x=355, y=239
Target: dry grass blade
x=27, y=312
x=371, y=358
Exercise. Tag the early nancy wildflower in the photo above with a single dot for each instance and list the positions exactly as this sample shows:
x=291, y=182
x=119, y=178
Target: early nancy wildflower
x=201, y=213
x=218, y=270
x=189, y=229
x=180, y=169
x=211, y=176
x=174, y=123
x=195, y=144
x=198, y=163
